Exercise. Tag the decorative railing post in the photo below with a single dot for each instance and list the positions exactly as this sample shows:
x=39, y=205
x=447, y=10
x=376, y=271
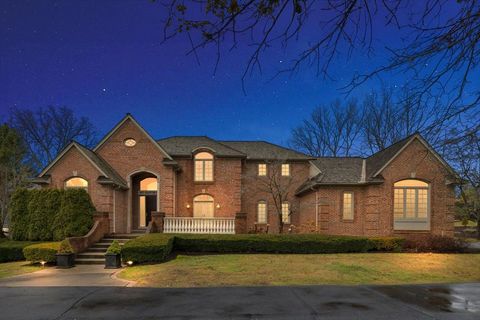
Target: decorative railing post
x=240, y=223
x=158, y=220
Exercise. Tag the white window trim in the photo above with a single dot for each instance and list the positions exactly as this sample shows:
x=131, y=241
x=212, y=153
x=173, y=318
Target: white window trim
x=412, y=223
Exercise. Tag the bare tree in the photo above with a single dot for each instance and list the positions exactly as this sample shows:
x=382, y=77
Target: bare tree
x=13, y=171
x=439, y=50
x=47, y=131
x=464, y=154
x=277, y=189
x=330, y=131
x=389, y=118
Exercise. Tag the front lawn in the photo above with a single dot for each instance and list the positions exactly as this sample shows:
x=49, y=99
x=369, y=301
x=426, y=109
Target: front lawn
x=9, y=269
x=306, y=269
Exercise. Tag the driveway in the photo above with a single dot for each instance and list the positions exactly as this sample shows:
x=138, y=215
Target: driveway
x=79, y=276
x=460, y=301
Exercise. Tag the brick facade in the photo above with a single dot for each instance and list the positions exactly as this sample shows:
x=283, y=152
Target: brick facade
x=373, y=204
x=235, y=188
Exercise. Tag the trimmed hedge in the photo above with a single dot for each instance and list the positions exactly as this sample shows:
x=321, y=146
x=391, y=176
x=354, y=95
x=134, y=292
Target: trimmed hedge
x=42, y=252
x=148, y=248
x=269, y=243
x=12, y=250
x=50, y=214
x=156, y=247
x=386, y=243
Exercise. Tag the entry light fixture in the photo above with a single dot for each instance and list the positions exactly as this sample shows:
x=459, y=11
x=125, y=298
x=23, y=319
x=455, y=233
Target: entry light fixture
x=188, y=206
x=218, y=205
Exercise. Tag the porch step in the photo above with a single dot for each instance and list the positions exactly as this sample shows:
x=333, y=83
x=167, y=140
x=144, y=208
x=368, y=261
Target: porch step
x=96, y=253
x=89, y=261
x=91, y=255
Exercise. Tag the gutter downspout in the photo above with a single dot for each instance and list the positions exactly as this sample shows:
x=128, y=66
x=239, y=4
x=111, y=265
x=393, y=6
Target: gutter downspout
x=114, y=211
x=316, y=211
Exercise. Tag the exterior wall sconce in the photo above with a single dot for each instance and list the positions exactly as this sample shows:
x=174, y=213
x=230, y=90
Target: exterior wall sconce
x=218, y=205
x=188, y=206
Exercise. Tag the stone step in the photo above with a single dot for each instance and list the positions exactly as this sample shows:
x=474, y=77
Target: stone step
x=102, y=246
x=92, y=249
x=89, y=261
x=91, y=255
x=124, y=235
x=113, y=239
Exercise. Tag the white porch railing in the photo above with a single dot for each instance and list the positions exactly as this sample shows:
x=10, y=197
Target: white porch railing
x=199, y=225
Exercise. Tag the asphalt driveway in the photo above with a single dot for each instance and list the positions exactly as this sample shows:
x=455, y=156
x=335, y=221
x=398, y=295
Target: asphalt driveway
x=460, y=301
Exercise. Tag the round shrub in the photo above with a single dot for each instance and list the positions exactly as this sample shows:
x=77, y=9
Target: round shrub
x=42, y=252
x=114, y=248
x=65, y=247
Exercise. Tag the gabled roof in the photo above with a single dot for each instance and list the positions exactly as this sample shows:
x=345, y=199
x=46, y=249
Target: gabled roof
x=110, y=176
x=129, y=117
x=183, y=146
x=361, y=171
x=377, y=162
x=262, y=150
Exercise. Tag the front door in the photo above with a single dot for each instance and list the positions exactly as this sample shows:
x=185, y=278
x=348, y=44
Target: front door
x=148, y=203
x=203, y=206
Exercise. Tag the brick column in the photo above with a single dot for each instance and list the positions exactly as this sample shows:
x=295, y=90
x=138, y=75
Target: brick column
x=240, y=223
x=157, y=220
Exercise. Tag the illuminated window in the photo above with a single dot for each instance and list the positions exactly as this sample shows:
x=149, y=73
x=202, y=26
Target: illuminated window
x=262, y=212
x=348, y=205
x=148, y=184
x=285, y=169
x=286, y=212
x=76, y=182
x=203, y=166
x=203, y=206
x=130, y=142
x=410, y=204
x=262, y=169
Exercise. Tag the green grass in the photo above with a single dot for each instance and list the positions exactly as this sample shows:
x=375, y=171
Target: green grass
x=470, y=223
x=303, y=269
x=9, y=269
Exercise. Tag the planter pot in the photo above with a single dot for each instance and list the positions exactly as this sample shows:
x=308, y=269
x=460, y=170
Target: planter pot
x=65, y=260
x=113, y=261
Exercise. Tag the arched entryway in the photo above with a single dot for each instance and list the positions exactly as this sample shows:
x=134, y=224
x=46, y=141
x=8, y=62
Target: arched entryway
x=145, y=199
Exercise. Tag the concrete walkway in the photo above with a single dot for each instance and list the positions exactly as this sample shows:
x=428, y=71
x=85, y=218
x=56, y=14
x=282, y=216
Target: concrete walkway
x=79, y=276
x=460, y=301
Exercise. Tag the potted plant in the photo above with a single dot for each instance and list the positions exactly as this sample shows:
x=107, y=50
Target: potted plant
x=65, y=255
x=112, y=257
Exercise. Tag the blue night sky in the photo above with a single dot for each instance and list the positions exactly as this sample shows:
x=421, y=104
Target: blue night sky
x=105, y=58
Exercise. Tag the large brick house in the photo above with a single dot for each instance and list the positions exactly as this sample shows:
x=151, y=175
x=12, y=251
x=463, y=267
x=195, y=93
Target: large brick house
x=406, y=188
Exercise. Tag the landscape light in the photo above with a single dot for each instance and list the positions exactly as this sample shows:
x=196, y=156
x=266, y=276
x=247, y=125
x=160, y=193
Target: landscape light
x=43, y=263
x=130, y=262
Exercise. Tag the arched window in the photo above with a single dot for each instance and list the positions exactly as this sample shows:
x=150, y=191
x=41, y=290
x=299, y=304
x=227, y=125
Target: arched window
x=203, y=206
x=148, y=184
x=411, y=203
x=203, y=166
x=261, y=212
x=76, y=182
